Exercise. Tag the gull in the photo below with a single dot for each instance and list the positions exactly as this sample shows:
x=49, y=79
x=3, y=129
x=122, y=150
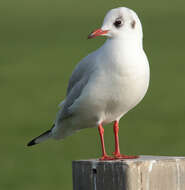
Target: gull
x=107, y=83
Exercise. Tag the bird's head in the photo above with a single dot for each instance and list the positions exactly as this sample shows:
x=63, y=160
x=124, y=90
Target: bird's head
x=119, y=23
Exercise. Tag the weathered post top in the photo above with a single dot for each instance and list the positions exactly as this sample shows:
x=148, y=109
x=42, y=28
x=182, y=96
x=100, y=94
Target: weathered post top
x=144, y=173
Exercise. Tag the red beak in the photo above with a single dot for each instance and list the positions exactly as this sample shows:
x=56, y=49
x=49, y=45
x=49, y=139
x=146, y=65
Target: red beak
x=98, y=32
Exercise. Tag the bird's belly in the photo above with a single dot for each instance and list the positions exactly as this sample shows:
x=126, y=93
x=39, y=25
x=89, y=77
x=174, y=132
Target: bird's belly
x=108, y=98
x=119, y=93
x=132, y=91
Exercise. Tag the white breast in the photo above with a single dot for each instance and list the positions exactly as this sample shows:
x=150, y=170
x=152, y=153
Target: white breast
x=119, y=83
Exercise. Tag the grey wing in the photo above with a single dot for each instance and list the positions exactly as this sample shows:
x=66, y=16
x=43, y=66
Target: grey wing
x=80, y=70
x=73, y=95
x=77, y=82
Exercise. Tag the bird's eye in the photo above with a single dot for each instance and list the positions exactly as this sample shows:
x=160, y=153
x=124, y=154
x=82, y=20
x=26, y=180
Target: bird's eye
x=117, y=23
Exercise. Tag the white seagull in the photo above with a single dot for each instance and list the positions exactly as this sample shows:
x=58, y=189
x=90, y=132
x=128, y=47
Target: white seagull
x=107, y=83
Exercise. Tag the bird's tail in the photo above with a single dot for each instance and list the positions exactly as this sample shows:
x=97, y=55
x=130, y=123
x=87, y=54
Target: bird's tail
x=44, y=136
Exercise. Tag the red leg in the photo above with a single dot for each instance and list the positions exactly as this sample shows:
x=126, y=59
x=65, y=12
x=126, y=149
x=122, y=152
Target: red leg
x=117, y=154
x=104, y=154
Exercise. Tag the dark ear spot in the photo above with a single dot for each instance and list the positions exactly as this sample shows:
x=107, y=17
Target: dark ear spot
x=133, y=24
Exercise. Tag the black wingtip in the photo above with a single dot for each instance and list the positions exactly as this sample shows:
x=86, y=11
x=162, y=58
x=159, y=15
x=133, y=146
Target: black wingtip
x=40, y=138
x=31, y=143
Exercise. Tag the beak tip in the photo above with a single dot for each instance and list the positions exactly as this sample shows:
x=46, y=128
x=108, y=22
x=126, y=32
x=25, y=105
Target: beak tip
x=89, y=36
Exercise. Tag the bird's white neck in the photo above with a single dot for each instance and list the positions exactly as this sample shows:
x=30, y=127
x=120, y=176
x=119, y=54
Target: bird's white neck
x=124, y=44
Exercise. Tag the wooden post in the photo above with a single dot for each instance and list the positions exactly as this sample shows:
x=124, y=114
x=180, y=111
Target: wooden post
x=144, y=173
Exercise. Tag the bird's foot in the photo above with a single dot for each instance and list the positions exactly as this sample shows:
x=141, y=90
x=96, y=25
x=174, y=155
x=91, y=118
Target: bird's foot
x=106, y=157
x=121, y=156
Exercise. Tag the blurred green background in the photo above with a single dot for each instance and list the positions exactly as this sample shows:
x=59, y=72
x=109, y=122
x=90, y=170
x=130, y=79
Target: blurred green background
x=41, y=41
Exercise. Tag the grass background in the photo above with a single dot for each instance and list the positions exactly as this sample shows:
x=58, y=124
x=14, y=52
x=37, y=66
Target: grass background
x=41, y=41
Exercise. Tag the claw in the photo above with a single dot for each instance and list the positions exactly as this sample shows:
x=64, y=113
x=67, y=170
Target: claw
x=121, y=156
x=106, y=157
